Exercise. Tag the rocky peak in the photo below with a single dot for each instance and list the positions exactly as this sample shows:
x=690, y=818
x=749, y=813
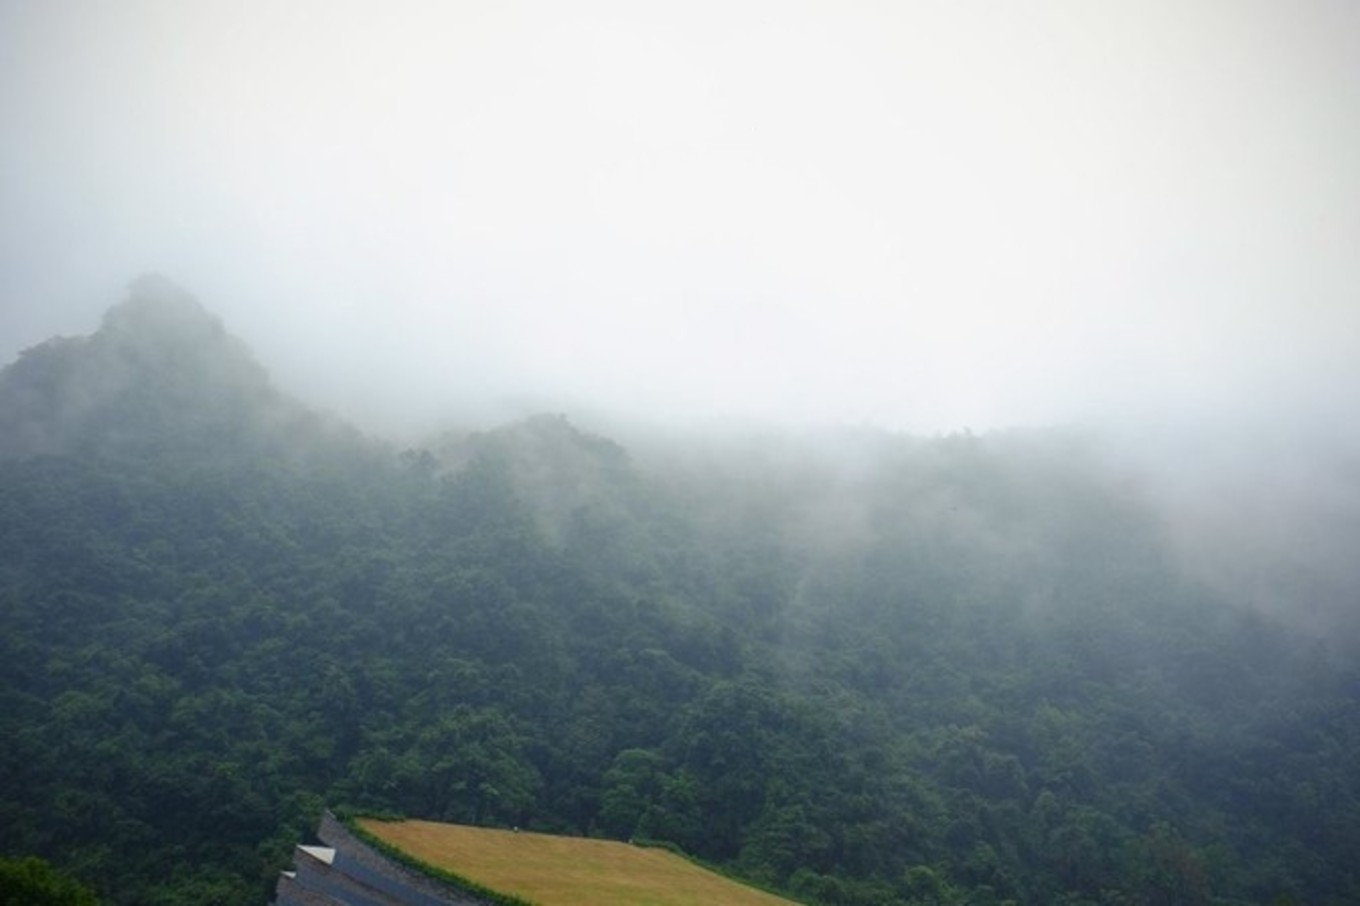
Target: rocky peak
x=160, y=370
x=157, y=310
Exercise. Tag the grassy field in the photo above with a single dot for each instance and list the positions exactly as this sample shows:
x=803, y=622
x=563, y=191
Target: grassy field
x=566, y=871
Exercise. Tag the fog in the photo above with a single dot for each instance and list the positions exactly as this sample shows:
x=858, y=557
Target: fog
x=924, y=216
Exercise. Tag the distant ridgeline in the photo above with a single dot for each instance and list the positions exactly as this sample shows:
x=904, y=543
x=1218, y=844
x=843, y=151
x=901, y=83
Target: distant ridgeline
x=859, y=667
x=160, y=378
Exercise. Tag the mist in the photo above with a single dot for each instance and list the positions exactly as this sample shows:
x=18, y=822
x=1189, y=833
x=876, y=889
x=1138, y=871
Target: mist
x=893, y=451
x=920, y=217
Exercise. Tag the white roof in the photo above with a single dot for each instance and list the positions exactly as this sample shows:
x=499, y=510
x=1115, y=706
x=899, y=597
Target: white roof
x=320, y=853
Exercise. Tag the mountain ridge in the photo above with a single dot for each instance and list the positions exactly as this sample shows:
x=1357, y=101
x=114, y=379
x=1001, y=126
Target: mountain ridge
x=161, y=376
x=895, y=672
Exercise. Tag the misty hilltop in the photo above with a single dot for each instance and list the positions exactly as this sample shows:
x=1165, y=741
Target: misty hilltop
x=949, y=484
x=161, y=373
x=1268, y=518
x=950, y=491
x=863, y=668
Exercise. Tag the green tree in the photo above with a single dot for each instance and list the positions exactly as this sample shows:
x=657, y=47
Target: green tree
x=32, y=882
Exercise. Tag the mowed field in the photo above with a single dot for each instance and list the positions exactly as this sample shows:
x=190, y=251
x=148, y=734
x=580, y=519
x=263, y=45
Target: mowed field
x=566, y=871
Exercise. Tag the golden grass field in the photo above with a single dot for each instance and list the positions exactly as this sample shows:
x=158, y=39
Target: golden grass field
x=566, y=871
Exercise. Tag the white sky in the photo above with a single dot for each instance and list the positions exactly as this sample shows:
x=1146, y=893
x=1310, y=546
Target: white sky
x=923, y=215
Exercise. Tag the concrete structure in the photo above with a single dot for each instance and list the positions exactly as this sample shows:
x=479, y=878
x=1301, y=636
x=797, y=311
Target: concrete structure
x=349, y=872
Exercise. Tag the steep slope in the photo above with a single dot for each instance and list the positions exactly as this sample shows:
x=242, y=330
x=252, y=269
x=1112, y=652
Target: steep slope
x=161, y=377
x=873, y=672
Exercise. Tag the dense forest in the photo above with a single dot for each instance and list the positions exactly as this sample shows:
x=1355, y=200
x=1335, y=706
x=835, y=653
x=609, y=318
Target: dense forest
x=860, y=668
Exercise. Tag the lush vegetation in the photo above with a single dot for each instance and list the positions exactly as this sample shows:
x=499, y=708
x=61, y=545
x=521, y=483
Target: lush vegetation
x=902, y=671
x=32, y=882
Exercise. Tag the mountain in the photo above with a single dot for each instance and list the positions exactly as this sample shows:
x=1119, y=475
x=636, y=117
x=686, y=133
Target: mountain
x=864, y=669
x=160, y=376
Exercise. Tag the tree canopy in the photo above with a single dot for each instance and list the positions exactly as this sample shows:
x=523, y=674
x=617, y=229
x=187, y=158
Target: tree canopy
x=952, y=670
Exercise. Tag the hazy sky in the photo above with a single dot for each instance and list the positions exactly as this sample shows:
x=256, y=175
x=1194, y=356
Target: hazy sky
x=925, y=215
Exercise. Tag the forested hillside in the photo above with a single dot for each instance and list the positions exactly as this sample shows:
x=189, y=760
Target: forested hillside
x=870, y=669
